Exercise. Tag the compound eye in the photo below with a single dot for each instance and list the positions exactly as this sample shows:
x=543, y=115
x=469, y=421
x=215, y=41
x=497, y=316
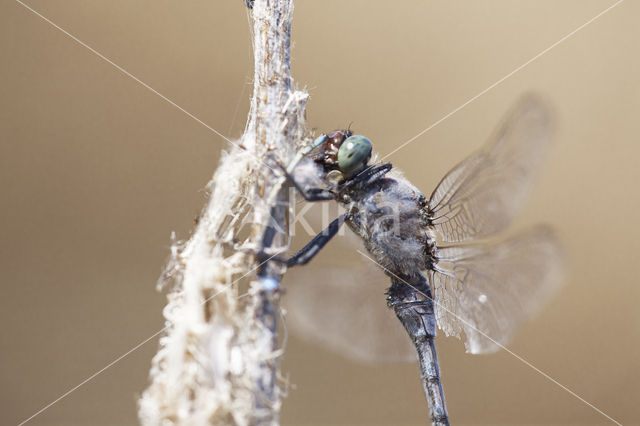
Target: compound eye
x=354, y=154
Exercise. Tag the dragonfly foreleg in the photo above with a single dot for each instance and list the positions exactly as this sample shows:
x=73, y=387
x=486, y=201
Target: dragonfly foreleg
x=368, y=175
x=309, y=193
x=313, y=247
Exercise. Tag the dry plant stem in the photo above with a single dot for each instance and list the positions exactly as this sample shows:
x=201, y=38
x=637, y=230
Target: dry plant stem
x=218, y=362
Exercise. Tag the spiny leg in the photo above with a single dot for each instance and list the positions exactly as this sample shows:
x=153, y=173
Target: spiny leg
x=309, y=194
x=312, y=248
x=368, y=175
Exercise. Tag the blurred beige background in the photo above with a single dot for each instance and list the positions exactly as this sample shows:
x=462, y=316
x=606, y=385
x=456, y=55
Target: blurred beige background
x=96, y=172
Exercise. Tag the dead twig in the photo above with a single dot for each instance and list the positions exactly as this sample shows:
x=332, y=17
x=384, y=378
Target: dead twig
x=218, y=361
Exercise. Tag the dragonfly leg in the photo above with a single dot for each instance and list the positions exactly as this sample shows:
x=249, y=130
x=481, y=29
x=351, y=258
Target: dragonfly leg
x=369, y=174
x=309, y=251
x=317, y=194
x=309, y=194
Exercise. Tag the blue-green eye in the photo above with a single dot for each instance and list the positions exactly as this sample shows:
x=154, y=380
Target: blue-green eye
x=354, y=153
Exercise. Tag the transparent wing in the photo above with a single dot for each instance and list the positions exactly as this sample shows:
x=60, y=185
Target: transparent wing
x=488, y=290
x=481, y=195
x=344, y=309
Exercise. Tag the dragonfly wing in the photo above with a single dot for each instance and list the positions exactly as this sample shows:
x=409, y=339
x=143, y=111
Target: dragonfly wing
x=345, y=310
x=486, y=291
x=481, y=195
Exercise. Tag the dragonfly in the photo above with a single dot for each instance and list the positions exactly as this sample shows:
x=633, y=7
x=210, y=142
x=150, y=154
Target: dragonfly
x=441, y=275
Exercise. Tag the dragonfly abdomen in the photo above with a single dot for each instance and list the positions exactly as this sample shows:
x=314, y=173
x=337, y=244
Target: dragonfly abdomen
x=410, y=298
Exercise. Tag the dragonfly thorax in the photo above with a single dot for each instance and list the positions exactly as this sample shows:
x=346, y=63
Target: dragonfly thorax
x=387, y=216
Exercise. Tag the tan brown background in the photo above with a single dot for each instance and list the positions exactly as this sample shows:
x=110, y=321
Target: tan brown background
x=96, y=171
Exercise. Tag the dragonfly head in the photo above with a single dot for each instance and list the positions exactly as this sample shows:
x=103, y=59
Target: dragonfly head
x=345, y=152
